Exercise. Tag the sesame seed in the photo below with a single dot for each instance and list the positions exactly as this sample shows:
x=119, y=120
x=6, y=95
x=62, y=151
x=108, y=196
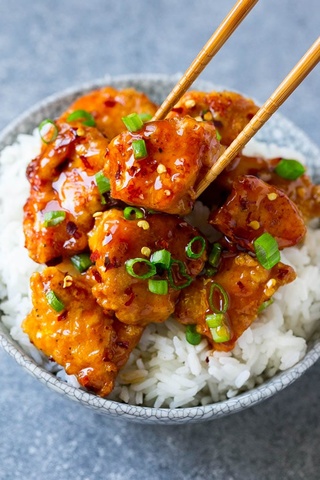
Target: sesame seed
x=67, y=281
x=161, y=168
x=143, y=224
x=97, y=214
x=198, y=118
x=272, y=196
x=167, y=192
x=80, y=132
x=207, y=116
x=146, y=251
x=254, y=225
x=271, y=282
x=190, y=103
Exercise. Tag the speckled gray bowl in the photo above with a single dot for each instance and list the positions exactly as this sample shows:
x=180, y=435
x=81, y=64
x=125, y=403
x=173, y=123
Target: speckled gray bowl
x=279, y=131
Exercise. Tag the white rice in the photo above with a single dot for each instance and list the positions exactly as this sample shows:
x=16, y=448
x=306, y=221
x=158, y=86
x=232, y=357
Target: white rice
x=165, y=370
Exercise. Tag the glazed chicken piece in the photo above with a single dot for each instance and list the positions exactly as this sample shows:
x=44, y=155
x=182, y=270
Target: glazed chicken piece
x=108, y=105
x=247, y=285
x=301, y=191
x=62, y=179
x=115, y=241
x=228, y=111
x=81, y=338
x=253, y=208
x=179, y=152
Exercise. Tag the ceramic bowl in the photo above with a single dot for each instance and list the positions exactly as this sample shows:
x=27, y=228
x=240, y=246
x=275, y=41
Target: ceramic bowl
x=278, y=130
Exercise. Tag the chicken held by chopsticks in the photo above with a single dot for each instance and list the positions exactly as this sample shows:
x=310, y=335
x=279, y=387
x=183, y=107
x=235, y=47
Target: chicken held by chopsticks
x=157, y=165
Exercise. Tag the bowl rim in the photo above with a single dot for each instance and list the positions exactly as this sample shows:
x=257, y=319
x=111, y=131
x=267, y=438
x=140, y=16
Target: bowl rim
x=111, y=407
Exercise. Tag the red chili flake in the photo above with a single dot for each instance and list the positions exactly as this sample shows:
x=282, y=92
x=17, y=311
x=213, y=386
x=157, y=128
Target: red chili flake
x=107, y=262
x=71, y=228
x=162, y=243
x=96, y=275
x=217, y=124
x=85, y=162
x=107, y=355
x=118, y=173
x=122, y=344
x=62, y=316
x=178, y=110
x=94, y=256
x=110, y=102
x=128, y=291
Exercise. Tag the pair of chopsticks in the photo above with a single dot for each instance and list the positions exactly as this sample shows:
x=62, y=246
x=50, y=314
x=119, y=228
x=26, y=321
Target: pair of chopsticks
x=278, y=97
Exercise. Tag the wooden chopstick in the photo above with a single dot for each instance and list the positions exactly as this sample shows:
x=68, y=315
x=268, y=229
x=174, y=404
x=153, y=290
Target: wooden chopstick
x=216, y=41
x=289, y=84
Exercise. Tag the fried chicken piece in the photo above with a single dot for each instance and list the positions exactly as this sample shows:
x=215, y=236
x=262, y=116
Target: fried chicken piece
x=108, y=105
x=301, y=191
x=247, y=285
x=228, y=111
x=81, y=337
x=62, y=179
x=115, y=240
x=253, y=208
x=179, y=152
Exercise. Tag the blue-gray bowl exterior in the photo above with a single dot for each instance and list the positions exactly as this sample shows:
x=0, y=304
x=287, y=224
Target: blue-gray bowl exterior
x=278, y=130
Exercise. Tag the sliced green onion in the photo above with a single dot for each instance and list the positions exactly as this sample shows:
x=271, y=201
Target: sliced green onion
x=53, y=218
x=103, y=183
x=85, y=117
x=192, y=336
x=160, y=287
x=218, y=135
x=215, y=254
x=54, y=301
x=161, y=258
x=289, y=169
x=133, y=122
x=132, y=213
x=182, y=271
x=81, y=261
x=189, y=250
x=133, y=261
x=145, y=117
x=139, y=148
x=267, y=250
x=220, y=334
x=223, y=295
x=265, y=304
x=215, y=319
x=210, y=271
x=48, y=131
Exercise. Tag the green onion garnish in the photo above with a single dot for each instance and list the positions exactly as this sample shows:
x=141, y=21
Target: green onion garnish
x=220, y=334
x=53, y=218
x=133, y=261
x=289, y=169
x=54, y=301
x=133, y=122
x=139, y=149
x=223, y=296
x=81, y=261
x=182, y=272
x=161, y=258
x=160, y=287
x=103, y=183
x=192, y=336
x=218, y=135
x=48, y=131
x=189, y=250
x=132, y=213
x=85, y=117
x=215, y=319
x=265, y=304
x=267, y=250
x=145, y=117
x=215, y=254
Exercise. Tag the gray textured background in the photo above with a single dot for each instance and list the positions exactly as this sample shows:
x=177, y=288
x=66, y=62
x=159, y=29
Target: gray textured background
x=48, y=46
